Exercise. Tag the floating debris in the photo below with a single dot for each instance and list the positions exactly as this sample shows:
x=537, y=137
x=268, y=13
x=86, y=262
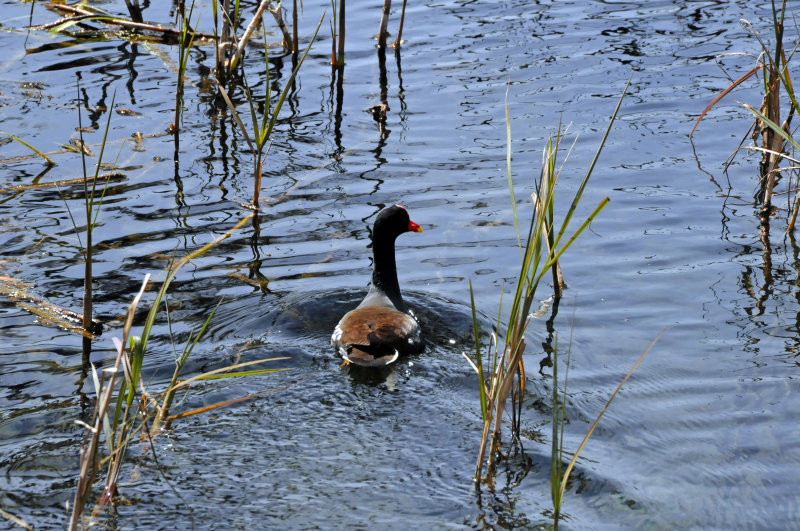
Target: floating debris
x=21, y=293
x=81, y=146
x=113, y=176
x=127, y=112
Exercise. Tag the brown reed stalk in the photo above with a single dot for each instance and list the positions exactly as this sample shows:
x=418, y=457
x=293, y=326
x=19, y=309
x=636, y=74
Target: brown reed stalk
x=340, y=55
x=769, y=126
x=400, y=28
x=337, y=39
x=86, y=14
x=88, y=453
x=383, y=32
x=771, y=107
x=223, y=41
x=295, y=40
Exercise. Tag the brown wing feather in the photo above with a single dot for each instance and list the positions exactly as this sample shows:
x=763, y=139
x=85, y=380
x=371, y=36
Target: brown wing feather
x=379, y=330
x=370, y=324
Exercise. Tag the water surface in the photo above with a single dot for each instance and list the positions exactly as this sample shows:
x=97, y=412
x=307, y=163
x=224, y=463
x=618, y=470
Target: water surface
x=703, y=434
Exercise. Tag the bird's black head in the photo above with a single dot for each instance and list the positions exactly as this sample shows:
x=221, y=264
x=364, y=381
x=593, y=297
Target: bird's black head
x=394, y=221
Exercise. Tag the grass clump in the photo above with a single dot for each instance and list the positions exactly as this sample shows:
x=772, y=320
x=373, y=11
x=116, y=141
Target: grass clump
x=125, y=409
x=502, y=372
x=772, y=126
x=263, y=128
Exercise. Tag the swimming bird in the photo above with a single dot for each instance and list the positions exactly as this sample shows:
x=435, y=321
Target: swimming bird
x=381, y=328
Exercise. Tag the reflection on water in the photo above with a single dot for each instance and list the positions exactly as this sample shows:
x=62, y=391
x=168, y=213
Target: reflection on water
x=702, y=435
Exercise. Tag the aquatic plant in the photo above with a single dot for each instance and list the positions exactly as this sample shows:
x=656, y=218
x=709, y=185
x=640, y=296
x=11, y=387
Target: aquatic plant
x=337, y=39
x=92, y=205
x=559, y=494
x=223, y=39
x=230, y=50
x=262, y=129
x=559, y=473
x=295, y=22
x=769, y=126
x=382, y=31
x=541, y=251
x=398, y=39
x=506, y=369
x=118, y=415
x=83, y=14
x=184, y=46
x=47, y=159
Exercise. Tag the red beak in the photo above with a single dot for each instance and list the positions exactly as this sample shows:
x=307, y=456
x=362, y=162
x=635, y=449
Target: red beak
x=412, y=227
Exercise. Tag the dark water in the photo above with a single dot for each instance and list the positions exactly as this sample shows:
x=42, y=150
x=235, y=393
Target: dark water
x=704, y=434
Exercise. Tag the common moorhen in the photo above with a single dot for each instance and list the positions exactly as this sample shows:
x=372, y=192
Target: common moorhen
x=381, y=328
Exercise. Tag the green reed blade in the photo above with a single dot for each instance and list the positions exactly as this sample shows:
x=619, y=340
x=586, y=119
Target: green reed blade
x=45, y=157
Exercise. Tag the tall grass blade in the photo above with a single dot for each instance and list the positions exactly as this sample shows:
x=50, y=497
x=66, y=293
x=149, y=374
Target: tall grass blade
x=180, y=361
x=775, y=127
x=290, y=81
x=478, y=357
x=508, y=169
x=173, y=270
x=45, y=157
x=235, y=115
x=605, y=408
x=585, y=180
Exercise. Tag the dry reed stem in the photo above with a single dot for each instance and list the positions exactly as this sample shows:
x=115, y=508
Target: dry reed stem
x=793, y=219
x=248, y=34
x=224, y=42
x=23, y=295
x=340, y=56
x=57, y=316
x=770, y=140
x=86, y=14
x=295, y=38
x=222, y=404
x=277, y=13
x=64, y=182
x=723, y=94
x=382, y=32
x=88, y=454
x=16, y=520
x=397, y=40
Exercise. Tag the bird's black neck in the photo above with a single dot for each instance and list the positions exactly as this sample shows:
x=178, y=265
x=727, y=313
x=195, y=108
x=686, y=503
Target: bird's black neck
x=384, y=274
